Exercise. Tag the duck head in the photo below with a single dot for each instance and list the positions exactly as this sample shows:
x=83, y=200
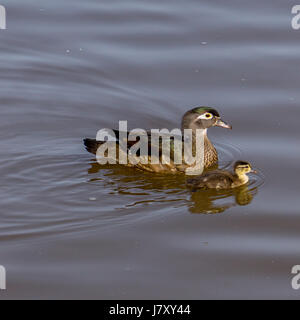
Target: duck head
x=203, y=118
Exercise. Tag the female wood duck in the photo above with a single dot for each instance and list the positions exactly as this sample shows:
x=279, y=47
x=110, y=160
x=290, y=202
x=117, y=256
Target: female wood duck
x=200, y=118
x=221, y=179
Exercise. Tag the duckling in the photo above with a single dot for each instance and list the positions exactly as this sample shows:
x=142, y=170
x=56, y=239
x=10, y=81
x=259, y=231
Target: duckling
x=221, y=179
x=199, y=118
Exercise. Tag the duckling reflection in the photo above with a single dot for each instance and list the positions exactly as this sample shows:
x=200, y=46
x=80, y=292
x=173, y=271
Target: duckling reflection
x=212, y=201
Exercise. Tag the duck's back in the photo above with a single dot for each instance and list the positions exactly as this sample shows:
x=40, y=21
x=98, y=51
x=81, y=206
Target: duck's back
x=212, y=180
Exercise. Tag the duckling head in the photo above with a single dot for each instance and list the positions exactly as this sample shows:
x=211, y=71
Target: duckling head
x=242, y=168
x=203, y=118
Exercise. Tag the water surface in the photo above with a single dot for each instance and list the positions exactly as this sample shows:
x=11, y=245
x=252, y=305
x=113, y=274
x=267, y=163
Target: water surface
x=72, y=229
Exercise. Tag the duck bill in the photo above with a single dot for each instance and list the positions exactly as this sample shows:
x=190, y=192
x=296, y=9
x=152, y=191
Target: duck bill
x=222, y=124
x=254, y=171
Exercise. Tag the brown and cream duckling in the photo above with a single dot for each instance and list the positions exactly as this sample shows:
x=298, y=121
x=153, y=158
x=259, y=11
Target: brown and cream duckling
x=221, y=179
x=199, y=118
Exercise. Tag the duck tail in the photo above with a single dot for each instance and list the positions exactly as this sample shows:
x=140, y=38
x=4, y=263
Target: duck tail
x=92, y=145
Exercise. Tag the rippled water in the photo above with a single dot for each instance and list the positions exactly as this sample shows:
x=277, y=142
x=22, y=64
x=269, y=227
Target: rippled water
x=72, y=229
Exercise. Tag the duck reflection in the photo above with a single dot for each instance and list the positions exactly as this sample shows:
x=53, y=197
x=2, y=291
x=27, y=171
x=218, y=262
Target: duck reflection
x=146, y=186
x=129, y=180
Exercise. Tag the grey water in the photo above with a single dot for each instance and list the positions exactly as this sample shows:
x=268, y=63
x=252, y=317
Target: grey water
x=71, y=229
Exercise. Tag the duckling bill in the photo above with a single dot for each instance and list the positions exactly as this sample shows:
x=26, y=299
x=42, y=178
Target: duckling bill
x=222, y=179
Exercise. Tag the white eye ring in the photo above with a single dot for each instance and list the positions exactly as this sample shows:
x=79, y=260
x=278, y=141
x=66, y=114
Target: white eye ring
x=206, y=116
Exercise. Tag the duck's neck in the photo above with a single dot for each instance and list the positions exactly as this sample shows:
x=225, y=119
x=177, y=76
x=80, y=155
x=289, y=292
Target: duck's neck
x=243, y=178
x=203, y=135
x=210, y=153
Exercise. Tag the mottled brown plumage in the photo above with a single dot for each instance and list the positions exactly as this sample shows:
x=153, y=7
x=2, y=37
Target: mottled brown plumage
x=200, y=118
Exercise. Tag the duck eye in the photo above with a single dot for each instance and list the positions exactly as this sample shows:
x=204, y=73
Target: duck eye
x=208, y=116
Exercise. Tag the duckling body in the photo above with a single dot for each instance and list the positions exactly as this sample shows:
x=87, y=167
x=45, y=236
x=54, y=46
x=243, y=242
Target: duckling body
x=221, y=179
x=200, y=118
